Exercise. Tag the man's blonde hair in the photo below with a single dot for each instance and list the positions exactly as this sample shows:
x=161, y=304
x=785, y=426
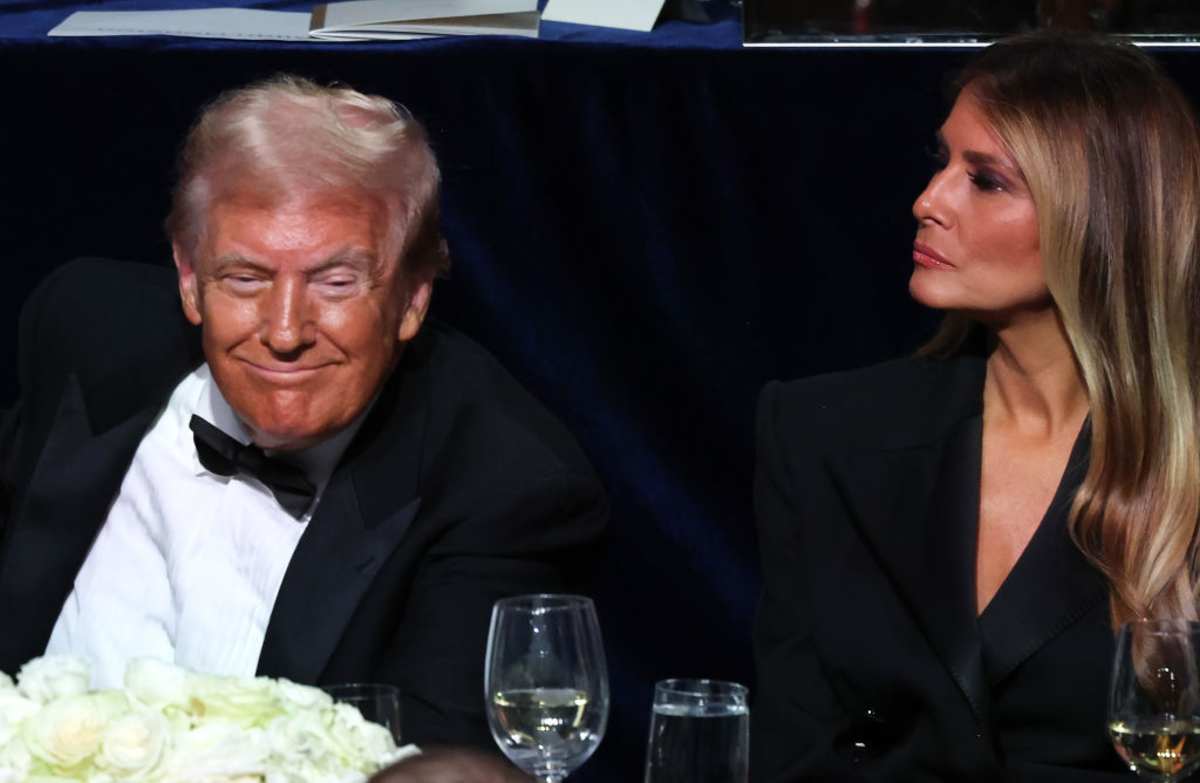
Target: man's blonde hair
x=288, y=137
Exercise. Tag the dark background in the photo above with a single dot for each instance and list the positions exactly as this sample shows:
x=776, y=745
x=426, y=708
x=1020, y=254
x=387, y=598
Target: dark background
x=644, y=230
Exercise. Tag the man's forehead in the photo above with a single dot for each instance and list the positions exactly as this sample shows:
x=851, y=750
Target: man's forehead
x=283, y=201
x=356, y=221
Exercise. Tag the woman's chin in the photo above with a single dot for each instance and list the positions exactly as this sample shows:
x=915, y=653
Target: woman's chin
x=929, y=293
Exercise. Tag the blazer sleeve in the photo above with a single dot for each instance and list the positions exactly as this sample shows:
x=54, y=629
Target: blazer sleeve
x=9, y=422
x=795, y=712
x=529, y=535
x=8, y=428
x=14, y=467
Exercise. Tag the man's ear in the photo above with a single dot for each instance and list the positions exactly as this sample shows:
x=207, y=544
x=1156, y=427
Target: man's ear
x=189, y=285
x=414, y=312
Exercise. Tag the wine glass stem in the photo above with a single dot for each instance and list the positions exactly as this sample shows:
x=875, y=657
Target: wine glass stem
x=553, y=778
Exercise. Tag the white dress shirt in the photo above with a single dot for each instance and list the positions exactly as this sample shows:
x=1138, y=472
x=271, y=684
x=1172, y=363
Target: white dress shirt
x=187, y=565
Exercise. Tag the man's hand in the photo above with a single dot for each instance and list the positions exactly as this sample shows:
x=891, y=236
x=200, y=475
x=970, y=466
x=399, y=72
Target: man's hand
x=452, y=765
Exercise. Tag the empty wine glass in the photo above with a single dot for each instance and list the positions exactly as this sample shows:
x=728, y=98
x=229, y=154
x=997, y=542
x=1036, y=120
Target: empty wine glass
x=546, y=683
x=1154, y=706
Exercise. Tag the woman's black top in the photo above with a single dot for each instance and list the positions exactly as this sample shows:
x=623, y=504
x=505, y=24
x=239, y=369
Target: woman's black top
x=872, y=662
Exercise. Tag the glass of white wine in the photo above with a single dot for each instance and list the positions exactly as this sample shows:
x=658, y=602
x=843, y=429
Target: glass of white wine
x=546, y=683
x=1154, y=705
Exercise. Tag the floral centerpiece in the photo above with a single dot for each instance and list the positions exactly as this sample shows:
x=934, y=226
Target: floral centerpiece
x=169, y=725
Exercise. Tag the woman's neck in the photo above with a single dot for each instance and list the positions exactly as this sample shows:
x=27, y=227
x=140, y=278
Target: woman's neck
x=1033, y=382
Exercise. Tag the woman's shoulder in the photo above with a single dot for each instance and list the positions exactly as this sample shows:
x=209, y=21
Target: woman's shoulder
x=888, y=383
x=897, y=395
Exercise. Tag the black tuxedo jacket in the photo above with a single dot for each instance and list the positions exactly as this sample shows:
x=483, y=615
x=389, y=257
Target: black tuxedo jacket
x=872, y=663
x=458, y=489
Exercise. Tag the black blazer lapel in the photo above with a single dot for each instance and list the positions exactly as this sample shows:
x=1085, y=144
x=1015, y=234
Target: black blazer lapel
x=361, y=518
x=916, y=502
x=1051, y=586
x=72, y=486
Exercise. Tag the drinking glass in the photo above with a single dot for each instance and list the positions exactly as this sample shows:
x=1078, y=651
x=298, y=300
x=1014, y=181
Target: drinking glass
x=545, y=683
x=1154, y=706
x=699, y=733
x=376, y=702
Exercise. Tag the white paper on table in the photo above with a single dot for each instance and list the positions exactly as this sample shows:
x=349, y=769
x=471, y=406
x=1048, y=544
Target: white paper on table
x=392, y=19
x=625, y=14
x=246, y=23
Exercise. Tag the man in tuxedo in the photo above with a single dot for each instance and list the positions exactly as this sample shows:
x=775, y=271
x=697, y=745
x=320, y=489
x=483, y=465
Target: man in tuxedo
x=297, y=476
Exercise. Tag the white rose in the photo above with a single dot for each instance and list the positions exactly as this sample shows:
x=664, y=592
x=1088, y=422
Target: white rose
x=188, y=777
x=53, y=676
x=301, y=745
x=352, y=777
x=217, y=750
x=15, y=761
x=157, y=684
x=15, y=708
x=366, y=744
x=6, y=682
x=400, y=754
x=68, y=731
x=396, y=756
x=297, y=772
x=303, y=734
x=295, y=696
x=133, y=744
x=247, y=702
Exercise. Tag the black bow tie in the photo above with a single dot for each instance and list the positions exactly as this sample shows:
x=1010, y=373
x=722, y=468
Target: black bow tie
x=224, y=456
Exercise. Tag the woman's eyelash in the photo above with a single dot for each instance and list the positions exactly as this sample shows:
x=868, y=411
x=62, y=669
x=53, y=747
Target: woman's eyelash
x=985, y=181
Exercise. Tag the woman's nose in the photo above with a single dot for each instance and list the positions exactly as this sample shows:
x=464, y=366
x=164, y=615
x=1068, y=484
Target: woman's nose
x=932, y=204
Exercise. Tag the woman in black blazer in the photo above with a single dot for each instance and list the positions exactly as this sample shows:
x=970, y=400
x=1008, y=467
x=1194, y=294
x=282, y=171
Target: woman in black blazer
x=949, y=540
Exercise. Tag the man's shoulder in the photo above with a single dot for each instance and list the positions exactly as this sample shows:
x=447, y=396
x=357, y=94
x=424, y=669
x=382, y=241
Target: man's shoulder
x=445, y=350
x=478, y=411
x=902, y=400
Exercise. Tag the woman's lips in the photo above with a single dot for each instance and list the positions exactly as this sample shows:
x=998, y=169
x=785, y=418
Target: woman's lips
x=926, y=256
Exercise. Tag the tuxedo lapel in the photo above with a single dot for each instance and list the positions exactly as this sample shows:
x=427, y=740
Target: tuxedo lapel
x=916, y=504
x=1051, y=586
x=332, y=568
x=360, y=520
x=72, y=486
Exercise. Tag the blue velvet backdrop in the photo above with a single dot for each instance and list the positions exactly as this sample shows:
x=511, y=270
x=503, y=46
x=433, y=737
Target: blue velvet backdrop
x=644, y=228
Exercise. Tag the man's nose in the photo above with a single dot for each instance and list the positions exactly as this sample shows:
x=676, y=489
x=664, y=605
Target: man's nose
x=286, y=326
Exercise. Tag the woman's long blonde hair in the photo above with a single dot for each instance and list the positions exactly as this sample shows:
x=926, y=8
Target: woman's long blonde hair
x=1110, y=150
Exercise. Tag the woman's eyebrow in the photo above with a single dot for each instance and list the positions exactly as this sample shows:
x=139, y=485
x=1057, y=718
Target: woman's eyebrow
x=976, y=158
